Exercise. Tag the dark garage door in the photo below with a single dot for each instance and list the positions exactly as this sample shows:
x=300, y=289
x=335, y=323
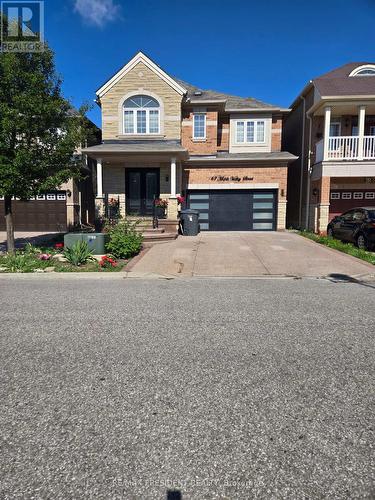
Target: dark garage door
x=48, y=213
x=235, y=210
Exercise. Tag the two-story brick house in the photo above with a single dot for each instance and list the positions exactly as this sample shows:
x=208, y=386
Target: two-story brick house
x=163, y=137
x=331, y=128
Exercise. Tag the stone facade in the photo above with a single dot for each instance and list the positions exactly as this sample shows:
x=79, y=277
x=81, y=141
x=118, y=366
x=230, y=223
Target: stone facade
x=141, y=80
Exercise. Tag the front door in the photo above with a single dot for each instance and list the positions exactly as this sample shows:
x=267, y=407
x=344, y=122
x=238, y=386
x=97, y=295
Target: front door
x=142, y=187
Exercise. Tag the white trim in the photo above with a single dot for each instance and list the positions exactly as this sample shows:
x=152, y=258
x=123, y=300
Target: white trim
x=231, y=185
x=140, y=57
x=360, y=68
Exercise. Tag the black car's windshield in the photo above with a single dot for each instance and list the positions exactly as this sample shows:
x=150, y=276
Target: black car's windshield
x=371, y=214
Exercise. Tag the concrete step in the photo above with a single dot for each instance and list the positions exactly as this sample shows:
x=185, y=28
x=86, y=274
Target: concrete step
x=150, y=231
x=152, y=239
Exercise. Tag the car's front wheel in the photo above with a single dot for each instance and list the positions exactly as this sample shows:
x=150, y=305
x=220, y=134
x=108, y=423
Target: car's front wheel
x=362, y=242
x=330, y=232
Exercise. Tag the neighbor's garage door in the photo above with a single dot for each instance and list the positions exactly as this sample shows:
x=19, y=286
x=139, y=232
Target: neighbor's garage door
x=47, y=213
x=342, y=200
x=235, y=210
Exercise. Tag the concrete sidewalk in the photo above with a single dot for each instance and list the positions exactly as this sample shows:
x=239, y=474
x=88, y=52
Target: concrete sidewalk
x=247, y=254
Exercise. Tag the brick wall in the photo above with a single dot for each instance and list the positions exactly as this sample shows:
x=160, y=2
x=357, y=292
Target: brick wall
x=260, y=175
x=199, y=147
x=223, y=133
x=276, y=130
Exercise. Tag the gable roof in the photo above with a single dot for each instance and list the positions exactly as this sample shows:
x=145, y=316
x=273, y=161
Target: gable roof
x=192, y=93
x=338, y=82
x=140, y=57
x=196, y=95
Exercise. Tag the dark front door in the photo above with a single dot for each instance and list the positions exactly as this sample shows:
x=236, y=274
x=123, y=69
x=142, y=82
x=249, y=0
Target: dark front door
x=142, y=186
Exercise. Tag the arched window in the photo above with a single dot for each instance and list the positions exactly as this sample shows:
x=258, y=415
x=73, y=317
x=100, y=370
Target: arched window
x=368, y=70
x=141, y=115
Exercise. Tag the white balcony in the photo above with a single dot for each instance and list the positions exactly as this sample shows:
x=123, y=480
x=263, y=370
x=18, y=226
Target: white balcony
x=346, y=147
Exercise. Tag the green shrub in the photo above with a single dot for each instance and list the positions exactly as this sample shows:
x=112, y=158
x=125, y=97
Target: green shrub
x=124, y=240
x=78, y=254
x=22, y=263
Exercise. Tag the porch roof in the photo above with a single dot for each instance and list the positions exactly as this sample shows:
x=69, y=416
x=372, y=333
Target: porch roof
x=136, y=147
x=274, y=156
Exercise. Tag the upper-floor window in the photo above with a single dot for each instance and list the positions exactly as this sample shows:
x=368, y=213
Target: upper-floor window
x=335, y=129
x=366, y=70
x=250, y=131
x=141, y=115
x=199, y=126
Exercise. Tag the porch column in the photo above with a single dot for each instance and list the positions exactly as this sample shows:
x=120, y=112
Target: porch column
x=172, y=211
x=173, y=177
x=99, y=178
x=99, y=200
x=361, y=130
x=327, y=126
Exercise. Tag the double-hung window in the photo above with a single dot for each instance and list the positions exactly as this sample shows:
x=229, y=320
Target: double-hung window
x=250, y=131
x=141, y=115
x=199, y=126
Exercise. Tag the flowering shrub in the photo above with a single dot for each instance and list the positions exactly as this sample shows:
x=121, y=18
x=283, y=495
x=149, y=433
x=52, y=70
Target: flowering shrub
x=44, y=256
x=180, y=200
x=107, y=262
x=161, y=203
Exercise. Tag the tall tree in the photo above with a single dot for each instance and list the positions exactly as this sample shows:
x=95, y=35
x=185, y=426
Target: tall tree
x=39, y=132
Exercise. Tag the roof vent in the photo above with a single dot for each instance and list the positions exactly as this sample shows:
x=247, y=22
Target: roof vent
x=198, y=92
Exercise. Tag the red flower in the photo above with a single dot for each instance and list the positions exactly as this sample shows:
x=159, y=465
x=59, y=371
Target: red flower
x=59, y=245
x=181, y=199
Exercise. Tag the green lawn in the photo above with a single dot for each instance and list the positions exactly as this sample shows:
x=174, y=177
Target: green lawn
x=341, y=246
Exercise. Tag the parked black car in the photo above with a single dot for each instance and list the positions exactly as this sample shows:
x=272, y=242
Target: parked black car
x=355, y=226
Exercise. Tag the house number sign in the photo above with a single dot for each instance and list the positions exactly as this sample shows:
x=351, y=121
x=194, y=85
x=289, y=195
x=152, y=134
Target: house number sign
x=233, y=178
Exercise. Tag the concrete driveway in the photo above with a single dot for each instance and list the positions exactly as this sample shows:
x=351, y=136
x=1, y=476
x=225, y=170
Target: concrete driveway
x=247, y=254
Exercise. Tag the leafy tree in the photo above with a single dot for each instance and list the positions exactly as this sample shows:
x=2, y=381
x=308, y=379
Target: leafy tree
x=39, y=131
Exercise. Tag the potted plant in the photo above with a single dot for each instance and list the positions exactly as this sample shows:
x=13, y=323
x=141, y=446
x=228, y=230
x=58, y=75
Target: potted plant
x=160, y=208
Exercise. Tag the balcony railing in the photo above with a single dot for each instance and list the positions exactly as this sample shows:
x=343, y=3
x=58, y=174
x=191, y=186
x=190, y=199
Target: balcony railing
x=346, y=147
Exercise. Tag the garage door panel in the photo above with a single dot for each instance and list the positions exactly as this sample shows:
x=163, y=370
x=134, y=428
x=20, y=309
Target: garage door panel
x=37, y=215
x=235, y=210
x=342, y=200
x=229, y=212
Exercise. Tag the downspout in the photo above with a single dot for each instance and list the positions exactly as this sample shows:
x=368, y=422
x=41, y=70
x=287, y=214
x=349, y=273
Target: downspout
x=303, y=161
x=309, y=172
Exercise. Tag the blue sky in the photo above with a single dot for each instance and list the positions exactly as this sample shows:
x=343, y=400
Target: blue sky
x=268, y=50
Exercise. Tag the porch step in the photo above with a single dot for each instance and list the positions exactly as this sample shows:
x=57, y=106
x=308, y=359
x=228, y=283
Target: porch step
x=152, y=239
x=149, y=231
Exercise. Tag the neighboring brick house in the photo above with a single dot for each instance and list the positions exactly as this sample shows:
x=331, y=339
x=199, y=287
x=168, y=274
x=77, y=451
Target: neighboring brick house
x=332, y=130
x=164, y=137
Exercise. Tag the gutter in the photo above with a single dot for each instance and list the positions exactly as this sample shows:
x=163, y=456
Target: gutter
x=302, y=93
x=259, y=110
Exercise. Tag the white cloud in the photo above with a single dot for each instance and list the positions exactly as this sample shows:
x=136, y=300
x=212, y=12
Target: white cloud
x=97, y=12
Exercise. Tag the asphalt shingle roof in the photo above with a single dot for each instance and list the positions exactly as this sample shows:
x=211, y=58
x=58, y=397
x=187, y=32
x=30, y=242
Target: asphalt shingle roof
x=197, y=95
x=338, y=82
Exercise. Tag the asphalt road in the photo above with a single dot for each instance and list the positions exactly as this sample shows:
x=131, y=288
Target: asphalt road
x=214, y=388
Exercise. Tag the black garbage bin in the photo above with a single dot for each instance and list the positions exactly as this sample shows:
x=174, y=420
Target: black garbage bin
x=190, y=224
